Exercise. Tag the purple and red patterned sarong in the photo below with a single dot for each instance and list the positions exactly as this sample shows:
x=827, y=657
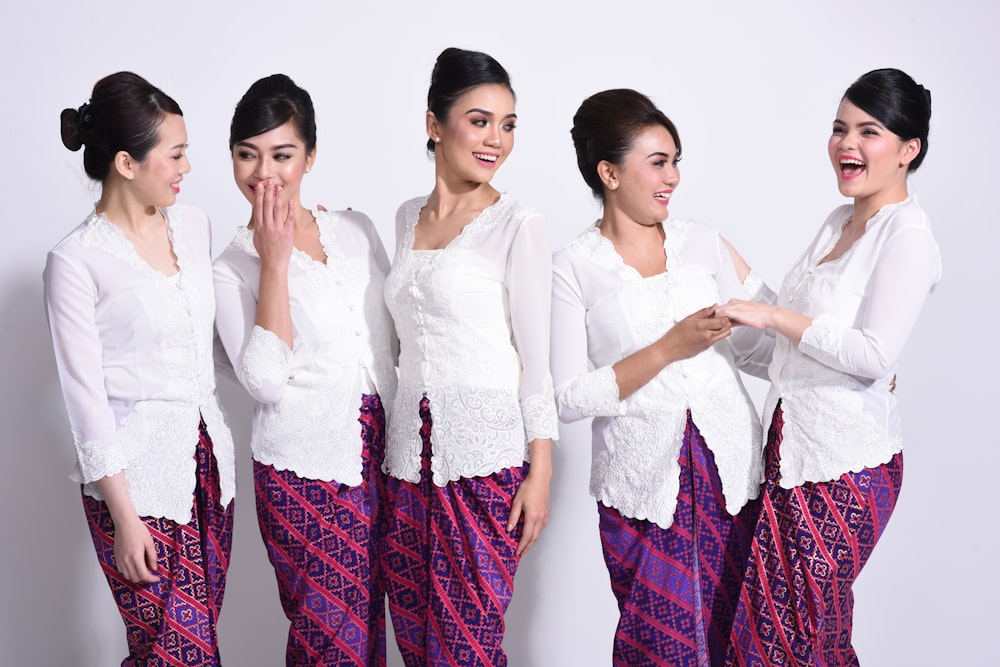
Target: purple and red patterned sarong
x=172, y=622
x=677, y=588
x=321, y=540
x=810, y=544
x=450, y=563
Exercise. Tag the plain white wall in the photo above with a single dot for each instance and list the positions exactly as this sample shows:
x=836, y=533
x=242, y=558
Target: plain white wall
x=752, y=87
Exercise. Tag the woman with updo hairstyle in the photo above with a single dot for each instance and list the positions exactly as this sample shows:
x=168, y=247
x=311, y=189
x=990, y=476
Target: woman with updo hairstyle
x=469, y=293
x=638, y=346
x=301, y=316
x=833, y=454
x=130, y=306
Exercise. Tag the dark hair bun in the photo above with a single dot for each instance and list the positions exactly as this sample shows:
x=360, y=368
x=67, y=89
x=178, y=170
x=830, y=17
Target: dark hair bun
x=69, y=128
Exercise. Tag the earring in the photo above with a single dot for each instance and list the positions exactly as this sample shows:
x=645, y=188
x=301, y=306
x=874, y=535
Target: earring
x=437, y=140
x=613, y=185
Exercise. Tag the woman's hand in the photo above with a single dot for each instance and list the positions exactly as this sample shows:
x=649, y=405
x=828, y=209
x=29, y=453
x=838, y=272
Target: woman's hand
x=531, y=501
x=696, y=333
x=135, y=551
x=273, y=224
x=749, y=313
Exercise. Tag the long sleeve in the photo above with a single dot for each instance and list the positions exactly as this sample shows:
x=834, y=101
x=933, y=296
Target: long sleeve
x=579, y=391
x=70, y=298
x=752, y=348
x=260, y=359
x=529, y=289
x=907, y=269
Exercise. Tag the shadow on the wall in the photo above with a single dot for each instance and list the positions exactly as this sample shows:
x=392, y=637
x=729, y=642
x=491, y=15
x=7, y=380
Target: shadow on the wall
x=47, y=549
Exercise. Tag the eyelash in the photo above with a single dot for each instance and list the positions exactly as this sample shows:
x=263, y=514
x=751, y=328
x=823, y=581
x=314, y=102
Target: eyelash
x=482, y=122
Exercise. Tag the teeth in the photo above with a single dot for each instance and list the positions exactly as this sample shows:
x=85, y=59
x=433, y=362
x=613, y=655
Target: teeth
x=662, y=195
x=853, y=162
x=486, y=156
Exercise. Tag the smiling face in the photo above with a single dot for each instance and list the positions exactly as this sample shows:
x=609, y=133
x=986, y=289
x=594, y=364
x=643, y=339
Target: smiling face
x=870, y=161
x=156, y=180
x=278, y=155
x=641, y=186
x=477, y=136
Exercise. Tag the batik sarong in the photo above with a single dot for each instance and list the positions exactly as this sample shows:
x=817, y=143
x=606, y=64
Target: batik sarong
x=172, y=622
x=677, y=588
x=320, y=538
x=809, y=546
x=450, y=563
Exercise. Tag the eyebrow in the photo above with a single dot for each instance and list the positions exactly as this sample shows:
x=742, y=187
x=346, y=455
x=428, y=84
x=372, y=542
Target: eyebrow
x=489, y=113
x=179, y=146
x=273, y=148
x=658, y=154
x=872, y=123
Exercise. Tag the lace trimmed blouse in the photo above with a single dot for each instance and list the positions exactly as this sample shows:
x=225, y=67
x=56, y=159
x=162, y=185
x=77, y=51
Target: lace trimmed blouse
x=839, y=412
x=308, y=397
x=134, y=352
x=603, y=311
x=473, y=324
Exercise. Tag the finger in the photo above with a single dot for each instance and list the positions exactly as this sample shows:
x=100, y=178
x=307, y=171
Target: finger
x=515, y=513
x=258, y=203
x=320, y=207
x=151, y=564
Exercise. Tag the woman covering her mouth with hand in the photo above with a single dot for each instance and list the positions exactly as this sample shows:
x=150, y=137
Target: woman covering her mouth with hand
x=301, y=316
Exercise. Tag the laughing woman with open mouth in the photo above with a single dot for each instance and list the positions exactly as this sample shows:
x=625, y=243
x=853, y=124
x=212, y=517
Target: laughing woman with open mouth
x=834, y=462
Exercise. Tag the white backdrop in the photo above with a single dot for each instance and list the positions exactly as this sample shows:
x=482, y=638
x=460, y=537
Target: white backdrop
x=752, y=87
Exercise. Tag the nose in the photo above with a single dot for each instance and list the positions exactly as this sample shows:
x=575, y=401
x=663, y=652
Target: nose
x=672, y=176
x=262, y=170
x=185, y=165
x=493, y=138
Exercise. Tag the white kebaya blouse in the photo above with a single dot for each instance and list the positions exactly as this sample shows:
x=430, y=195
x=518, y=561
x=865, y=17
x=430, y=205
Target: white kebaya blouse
x=838, y=410
x=473, y=324
x=603, y=311
x=134, y=353
x=306, y=417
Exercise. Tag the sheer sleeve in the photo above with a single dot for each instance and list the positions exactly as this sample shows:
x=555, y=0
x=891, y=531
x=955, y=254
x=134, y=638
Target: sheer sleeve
x=70, y=299
x=260, y=359
x=579, y=391
x=752, y=347
x=529, y=288
x=906, y=271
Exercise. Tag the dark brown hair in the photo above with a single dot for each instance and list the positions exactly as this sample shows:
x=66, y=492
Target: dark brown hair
x=605, y=127
x=124, y=114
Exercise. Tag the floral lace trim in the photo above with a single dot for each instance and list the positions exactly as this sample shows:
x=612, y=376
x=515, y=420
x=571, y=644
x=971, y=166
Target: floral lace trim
x=539, y=414
x=594, y=394
x=823, y=339
x=827, y=433
x=502, y=210
x=477, y=431
x=96, y=461
x=755, y=286
x=265, y=360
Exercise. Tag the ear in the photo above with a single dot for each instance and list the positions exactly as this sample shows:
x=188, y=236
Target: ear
x=310, y=159
x=909, y=152
x=433, y=127
x=608, y=173
x=124, y=165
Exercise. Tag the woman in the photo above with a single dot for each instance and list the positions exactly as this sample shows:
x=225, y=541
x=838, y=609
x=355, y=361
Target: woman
x=301, y=316
x=469, y=292
x=130, y=307
x=833, y=452
x=637, y=344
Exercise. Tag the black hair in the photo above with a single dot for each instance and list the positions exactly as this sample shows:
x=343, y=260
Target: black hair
x=269, y=103
x=124, y=114
x=457, y=71
x=894, y=99
x=605, y=127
